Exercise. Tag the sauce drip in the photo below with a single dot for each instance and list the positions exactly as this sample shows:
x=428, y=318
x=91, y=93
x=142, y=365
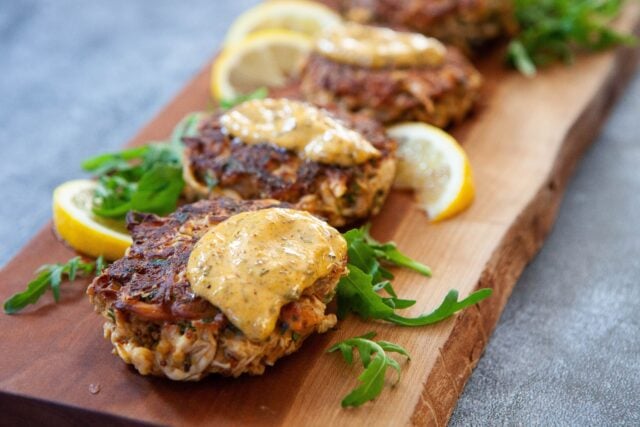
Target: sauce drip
x=299, y=127
x=253, y=263
x=375, y=47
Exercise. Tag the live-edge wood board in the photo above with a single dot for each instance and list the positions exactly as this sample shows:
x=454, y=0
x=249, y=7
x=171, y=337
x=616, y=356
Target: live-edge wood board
x=524, y=144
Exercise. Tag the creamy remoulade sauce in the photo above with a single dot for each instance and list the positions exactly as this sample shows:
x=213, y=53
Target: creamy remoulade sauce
x=253, y=263
x=376, y=47
x=299, y=127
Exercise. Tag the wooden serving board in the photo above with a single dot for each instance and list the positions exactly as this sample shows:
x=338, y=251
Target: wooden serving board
x=524, y=145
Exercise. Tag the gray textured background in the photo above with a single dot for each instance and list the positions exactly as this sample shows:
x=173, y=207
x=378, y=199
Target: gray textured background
x=79, y=77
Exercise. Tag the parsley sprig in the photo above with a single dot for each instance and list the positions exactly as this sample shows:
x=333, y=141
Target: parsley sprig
x=51, y=276
x=146, y=178
x=553, y=30
x=374, y=358
x=359, y=291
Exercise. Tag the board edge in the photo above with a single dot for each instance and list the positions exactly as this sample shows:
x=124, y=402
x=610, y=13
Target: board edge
x=458, y=357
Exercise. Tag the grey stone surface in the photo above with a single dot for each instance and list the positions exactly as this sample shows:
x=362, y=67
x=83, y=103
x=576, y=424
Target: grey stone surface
x=79, y=77
x=567, y=348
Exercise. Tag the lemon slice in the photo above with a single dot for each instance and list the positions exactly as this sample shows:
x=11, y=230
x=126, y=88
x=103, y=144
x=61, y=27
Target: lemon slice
x=83, y=231
x=268, y=58
x=300, y=16
x=431, y=162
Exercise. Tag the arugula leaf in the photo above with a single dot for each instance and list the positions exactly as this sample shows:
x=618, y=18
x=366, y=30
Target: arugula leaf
x=552, y=30
x=51, y=276
x=393, y=301
x=100, y=265
x=147, y=178
x=112, y=196
x=365, y=253
x=449, y=306
x=158, y=190
x=389, y=252
x=109, y=162
x=364, y=257
x=358, y=294
x=260, y=93
x=188, y=127
x=367, y=276
x=375, y=360
x=149, y=154
x=520, y=58
x=358, y=291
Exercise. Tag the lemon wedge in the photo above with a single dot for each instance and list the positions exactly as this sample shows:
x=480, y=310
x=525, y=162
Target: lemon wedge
x=267, y=58
x=431, y=162
x=83, y=231
x=300, y=16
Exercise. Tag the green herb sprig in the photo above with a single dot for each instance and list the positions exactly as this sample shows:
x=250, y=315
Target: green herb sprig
x=553, y=30
x=259, y=93
x=51, y=276
x=358, y=292
x=367, y=253
x=146, y=178
x=374, y=358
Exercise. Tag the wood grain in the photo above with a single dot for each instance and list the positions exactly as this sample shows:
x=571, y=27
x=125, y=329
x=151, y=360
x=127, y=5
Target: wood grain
x=524, y=145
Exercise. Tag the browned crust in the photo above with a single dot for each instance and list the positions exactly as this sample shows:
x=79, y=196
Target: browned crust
x=157, y=323
x=437, y=95
x=150, y=279
x=466, y=24
x=217, y=164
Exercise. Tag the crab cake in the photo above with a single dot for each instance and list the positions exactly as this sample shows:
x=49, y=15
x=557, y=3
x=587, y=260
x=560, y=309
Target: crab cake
x=467, y=24
x=220, y=286
x=334, y=165
x=390, y=76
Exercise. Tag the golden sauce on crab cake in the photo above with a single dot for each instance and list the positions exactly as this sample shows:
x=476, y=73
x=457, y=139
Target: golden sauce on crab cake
x=335, y=165
x=158, y=312
x=466, y=24
x=390, y=76
x=299, y=127
x=377, y=47
x=254, y=263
